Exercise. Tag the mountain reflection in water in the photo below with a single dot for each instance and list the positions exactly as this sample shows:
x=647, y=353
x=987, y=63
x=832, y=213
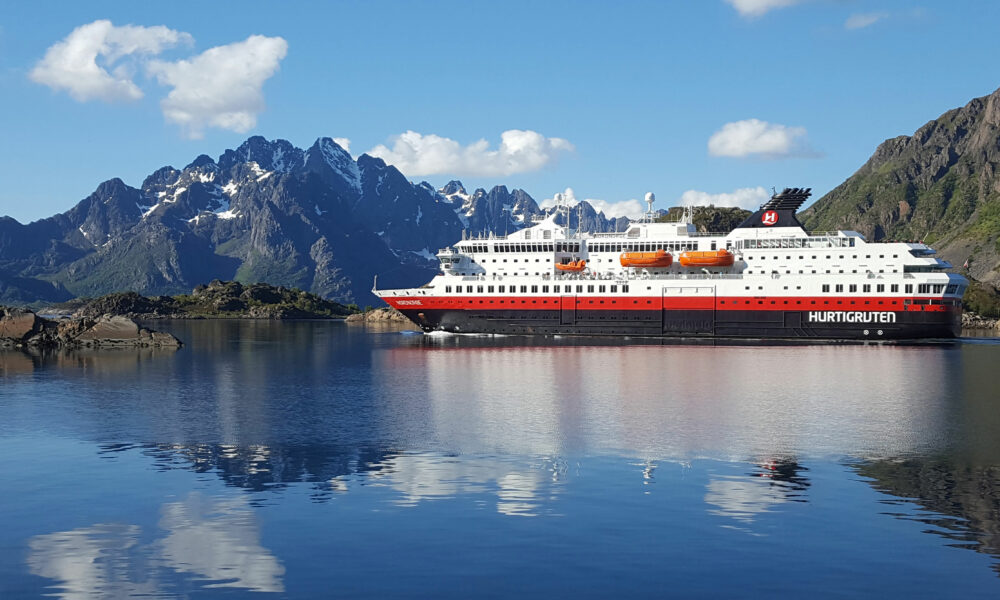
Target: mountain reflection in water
x=958, y=501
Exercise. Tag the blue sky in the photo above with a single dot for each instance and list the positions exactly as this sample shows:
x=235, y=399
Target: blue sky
x=620, y=99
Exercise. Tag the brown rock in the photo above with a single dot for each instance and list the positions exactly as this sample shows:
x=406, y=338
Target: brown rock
x=111, y=328
x=17, y=324
x=382, y=316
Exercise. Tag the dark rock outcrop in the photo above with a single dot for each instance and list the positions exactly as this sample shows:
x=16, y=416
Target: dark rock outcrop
x=22, y=328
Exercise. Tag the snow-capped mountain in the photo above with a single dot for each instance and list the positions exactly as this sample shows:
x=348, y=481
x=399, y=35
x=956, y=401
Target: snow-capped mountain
x=316, y=219
x=501, y=211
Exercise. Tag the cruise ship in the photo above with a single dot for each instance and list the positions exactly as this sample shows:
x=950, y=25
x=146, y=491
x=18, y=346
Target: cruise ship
x=767, y=279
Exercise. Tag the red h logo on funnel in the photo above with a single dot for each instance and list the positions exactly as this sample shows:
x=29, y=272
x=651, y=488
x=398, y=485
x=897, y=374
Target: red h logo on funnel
x=769, y=218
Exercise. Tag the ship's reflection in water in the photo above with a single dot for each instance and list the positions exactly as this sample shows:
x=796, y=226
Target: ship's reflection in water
x=366, y=438
x=742, y=498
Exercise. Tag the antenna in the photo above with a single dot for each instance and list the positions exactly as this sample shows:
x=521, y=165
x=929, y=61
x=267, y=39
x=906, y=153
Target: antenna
x=650, y=199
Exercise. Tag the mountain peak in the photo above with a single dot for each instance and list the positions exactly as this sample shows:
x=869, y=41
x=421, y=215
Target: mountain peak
x=453, y=187
x=278, y=155
x=202, y=160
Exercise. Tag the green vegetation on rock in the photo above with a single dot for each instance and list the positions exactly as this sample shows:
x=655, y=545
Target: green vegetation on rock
x=709, y=218
x=220, y=299
x=982, y=299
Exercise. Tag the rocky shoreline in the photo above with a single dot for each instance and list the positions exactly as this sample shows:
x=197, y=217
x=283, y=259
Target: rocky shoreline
x=974, y=321
x=380, y=316
x=20, y=328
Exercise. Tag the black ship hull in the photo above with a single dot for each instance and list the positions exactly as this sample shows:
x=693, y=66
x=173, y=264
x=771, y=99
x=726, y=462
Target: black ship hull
x=751, y=324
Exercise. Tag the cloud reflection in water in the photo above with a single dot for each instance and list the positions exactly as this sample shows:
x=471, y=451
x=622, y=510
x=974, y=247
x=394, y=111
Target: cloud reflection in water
x=214, y=539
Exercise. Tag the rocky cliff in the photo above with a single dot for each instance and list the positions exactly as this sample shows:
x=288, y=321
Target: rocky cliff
x=940, y=185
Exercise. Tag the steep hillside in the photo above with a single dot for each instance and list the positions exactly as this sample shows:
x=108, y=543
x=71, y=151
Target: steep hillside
x=940, y=185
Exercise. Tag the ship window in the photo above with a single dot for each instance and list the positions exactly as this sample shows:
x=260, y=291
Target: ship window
x=534, y=289
x=938, y=288
x=624, y=289
x=557, y=288
x=894, y=287
x=840, y=288
x=866, y=288
x=590, y=289
x=853, y=288
x=601, y=289
x=524, y=289
x=614, y=289
x=489, y=289
x=924, y=288
x=579, y=289
x=952, y=289
x=909, y=288
x=826, y=287
x=447, y=289
x=479, y=289
x=468, y=289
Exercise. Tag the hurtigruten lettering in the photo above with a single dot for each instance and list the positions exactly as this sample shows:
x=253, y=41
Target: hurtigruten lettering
x=834, y=316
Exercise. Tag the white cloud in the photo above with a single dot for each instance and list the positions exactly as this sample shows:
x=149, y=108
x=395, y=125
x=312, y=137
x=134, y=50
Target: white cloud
x=520, y=151
x=749, y=198
x=862, y=20
x=343, y=143
x=756, y=137
x=221, y=87
x=632, y=208
x=79, y=63
x=756, y=8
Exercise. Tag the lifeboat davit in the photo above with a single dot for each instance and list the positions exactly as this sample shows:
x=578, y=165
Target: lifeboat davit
x=575, y=266
x=659, y=258
x=711, y=258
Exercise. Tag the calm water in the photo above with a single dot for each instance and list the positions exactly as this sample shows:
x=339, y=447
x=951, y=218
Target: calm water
x=321, y=460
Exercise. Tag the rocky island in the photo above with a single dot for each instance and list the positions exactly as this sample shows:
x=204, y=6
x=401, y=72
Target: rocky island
x=219, y=300
x=21, y=328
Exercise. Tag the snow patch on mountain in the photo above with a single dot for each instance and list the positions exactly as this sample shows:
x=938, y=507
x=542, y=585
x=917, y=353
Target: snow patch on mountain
x=425, y=253
x=341, y=162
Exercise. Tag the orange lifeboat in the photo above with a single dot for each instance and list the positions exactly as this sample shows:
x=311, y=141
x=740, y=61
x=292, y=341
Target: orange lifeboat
x=660, y=258
x=712, y=258
x=576, y=266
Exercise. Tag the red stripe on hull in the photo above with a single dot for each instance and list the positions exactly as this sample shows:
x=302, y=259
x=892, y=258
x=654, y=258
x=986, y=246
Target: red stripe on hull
x=723, y=303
